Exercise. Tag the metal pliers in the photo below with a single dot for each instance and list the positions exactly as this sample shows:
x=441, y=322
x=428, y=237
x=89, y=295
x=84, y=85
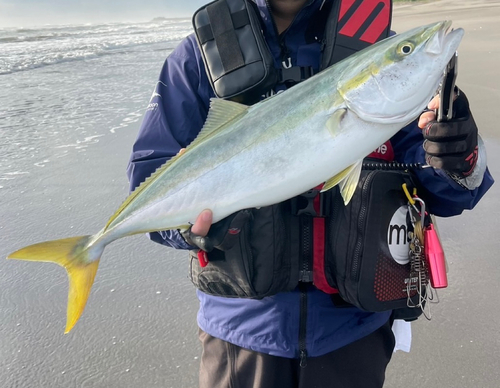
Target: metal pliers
x=447, y=91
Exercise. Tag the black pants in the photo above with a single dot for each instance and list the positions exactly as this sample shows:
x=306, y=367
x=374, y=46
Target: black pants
x=361, y=364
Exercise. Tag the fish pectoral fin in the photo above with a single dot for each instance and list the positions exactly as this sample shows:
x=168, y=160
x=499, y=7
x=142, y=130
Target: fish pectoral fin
x=333, y=122
x=347, y=179
x=80, y=260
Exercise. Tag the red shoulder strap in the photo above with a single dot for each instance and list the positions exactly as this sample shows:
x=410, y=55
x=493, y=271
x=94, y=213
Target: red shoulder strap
x=366, y=20
x=354, y=25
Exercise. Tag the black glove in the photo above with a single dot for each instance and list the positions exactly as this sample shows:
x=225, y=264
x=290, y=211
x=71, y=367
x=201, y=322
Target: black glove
x=452, y=145
x=222, y=235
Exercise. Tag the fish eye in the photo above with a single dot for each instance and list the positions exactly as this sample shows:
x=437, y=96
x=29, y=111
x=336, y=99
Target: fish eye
x=406, y=48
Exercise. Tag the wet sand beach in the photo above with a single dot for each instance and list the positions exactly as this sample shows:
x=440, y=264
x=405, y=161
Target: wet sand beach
x=460, y=346
x=139, y=327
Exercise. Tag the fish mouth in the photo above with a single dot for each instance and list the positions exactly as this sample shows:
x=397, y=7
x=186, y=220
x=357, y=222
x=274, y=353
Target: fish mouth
x=439, y=41
x=441, y=36
x=435, y=44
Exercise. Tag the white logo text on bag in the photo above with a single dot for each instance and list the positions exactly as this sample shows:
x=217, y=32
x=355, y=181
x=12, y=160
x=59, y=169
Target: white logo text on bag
x=397, y=236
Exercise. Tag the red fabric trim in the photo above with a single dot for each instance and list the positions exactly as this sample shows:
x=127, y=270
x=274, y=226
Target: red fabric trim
x=202, y=258
x=358, y=18
x=379, y=25
x=361, y=14
x=344, y=7
x=384, y=152
x=319, y=277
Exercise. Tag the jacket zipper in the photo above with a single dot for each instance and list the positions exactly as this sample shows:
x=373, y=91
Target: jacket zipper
x=303, y=325
x=281, y=37
x=305, y=276
x=285, y=58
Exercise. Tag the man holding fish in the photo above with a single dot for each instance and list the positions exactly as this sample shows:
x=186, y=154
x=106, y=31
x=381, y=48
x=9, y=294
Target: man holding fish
x=269, y=315
x=298, y=338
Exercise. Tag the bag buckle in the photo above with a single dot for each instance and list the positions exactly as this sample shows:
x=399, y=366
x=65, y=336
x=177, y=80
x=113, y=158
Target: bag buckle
x=311, y=203
x=294, y=74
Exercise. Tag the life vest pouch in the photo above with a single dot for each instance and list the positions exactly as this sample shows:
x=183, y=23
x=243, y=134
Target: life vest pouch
x=238, y=62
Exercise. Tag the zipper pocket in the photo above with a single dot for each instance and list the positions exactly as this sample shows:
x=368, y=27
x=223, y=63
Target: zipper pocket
x=358, y=247
x=246, y=251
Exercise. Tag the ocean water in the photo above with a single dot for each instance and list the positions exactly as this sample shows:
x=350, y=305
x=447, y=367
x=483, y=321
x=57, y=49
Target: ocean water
x=71, y=102
x=62, y=88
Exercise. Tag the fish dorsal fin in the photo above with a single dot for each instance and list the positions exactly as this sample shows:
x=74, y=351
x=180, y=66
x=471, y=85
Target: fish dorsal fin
x=221, y=112
x=139, y=189
x=348, y=180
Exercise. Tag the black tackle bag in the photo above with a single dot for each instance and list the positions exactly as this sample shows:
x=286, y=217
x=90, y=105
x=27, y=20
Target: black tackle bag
x=368, y=258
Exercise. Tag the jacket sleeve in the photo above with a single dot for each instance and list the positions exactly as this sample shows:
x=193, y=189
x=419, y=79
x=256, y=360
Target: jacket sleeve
x=174, y=117
x=443, y=196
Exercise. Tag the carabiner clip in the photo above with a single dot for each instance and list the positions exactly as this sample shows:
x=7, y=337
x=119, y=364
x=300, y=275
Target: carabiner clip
x=421, y=215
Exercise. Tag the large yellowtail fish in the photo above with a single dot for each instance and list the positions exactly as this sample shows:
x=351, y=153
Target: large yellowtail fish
x=245, y=157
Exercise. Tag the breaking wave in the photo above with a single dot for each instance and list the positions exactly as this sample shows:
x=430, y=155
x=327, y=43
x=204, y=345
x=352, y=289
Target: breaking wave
x=23, y=49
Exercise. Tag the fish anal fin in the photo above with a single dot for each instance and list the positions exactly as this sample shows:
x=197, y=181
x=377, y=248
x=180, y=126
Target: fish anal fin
x=335, y=180
x=347, y=179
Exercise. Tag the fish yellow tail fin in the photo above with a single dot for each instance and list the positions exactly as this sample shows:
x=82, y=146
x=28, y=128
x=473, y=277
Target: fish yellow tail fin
x=79, y=257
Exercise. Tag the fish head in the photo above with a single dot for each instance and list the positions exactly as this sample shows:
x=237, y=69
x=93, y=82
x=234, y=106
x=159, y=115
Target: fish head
x=393, y=80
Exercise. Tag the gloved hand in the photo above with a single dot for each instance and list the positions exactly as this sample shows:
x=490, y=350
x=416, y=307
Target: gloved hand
x=452, y=145
x=222, y=235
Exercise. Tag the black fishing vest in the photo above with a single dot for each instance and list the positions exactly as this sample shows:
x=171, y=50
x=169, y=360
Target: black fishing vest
x=237, y=58
x=260, y=252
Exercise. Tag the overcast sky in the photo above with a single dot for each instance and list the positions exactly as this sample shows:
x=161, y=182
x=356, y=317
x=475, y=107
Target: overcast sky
x=17, y=13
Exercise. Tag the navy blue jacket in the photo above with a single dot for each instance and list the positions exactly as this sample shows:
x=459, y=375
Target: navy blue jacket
x=175, y=115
